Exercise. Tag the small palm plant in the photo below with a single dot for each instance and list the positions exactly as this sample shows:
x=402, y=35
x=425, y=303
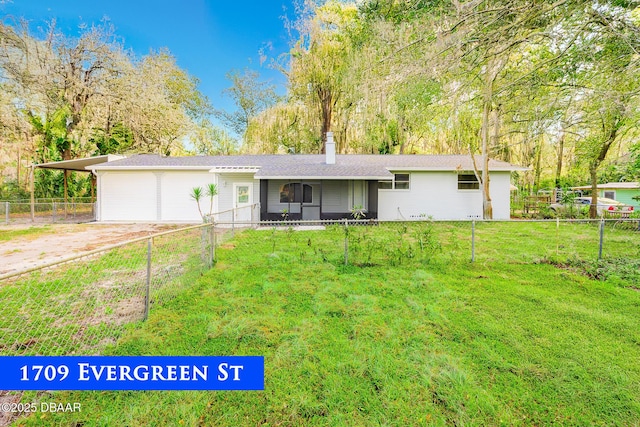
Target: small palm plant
x=358, y=212
x=196, y=194
x=212, y=191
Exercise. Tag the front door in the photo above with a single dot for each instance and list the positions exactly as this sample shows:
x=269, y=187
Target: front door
x=243, y=201
x=311, y=200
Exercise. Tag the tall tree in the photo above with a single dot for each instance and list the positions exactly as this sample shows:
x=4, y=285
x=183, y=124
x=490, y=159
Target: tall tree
x=211, y=140
x=75, y=96
x=160, y=104
x=320, y=60
x=250, y=95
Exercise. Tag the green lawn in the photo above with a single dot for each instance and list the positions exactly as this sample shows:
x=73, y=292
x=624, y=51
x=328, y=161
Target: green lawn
x=81, y=306
x=408, y=333
x=8, y=234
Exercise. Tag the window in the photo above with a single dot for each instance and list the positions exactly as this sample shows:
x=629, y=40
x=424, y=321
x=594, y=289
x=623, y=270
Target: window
x=296, y=193
x=242, y=194
x=610, y=195
x=400, y=182
x=468, y=181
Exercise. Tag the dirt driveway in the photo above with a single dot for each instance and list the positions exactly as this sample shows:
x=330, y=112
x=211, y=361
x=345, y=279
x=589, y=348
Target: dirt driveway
x=31, y=246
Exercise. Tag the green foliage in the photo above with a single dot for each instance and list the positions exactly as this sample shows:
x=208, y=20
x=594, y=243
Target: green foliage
x=210, y=140
x=250, y=95
x=626, y=171
x=52, y=129
x=50, y=184
x=358, y=212
x=626, y=270
x=117, y=140
x=197, y=194
x=398, y=12
x=9, y=190
x=74, y=96
x=211, y=192
x=558, y=80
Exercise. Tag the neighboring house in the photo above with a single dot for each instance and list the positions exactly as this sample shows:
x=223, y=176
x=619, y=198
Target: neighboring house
x=298, y=186
x=621, y=191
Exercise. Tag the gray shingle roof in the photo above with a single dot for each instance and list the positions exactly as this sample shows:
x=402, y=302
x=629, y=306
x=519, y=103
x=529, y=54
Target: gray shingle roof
x=363, y=166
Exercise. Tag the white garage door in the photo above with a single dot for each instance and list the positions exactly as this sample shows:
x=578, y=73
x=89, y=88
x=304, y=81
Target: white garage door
x=128, y=196
x=176, y=202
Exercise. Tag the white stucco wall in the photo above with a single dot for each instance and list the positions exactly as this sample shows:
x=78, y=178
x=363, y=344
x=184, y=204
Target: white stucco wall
x=151, y=196
x=176, y=203
x=163, y=195
x=436, y=195
x=225, y=201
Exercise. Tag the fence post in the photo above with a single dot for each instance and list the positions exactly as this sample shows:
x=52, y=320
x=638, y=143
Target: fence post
x=147, y=301
x=473, y=240
x=54, y=212
x=346, y=241
x=601, y=238
x=212, y=246
x=6, y=211
x=233, y=222
x=557, y=236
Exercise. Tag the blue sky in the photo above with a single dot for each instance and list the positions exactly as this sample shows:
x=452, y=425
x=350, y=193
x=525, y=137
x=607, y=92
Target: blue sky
x=207, y=37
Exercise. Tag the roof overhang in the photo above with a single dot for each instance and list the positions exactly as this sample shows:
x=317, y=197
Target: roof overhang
x=80, y=165
x=612, y=186
x=149, y=168
x=448, y=169
x=235, y=169
x=326, y=178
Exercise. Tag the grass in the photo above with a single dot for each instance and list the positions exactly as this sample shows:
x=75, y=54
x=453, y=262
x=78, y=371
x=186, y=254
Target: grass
x=7, y=235
x=83, y=306
x=408, y=333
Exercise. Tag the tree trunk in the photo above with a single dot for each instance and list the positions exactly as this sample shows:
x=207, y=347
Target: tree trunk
x=538, y=165
x=487, y=207
x=595, y=164
x=326, y=110
x=402, y=139
x=593, y=173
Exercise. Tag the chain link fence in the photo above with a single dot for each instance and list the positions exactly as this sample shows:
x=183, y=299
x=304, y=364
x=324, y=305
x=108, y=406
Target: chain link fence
x=372, y=243
x=82, y=304
x=240, y=217
x=51, y=211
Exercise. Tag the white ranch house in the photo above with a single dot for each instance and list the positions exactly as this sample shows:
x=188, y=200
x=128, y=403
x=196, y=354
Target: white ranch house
x=152, y=188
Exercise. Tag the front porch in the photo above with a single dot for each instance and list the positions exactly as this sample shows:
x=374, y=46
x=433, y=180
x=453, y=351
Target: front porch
x=317, y=199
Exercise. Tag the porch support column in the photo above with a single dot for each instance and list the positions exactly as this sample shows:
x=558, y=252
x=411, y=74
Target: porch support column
x=32, y=185
x=321, y=181
x=93, y=187
x=66, y=188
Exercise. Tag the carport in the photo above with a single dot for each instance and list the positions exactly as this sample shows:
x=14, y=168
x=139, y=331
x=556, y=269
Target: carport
x=77, y=165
